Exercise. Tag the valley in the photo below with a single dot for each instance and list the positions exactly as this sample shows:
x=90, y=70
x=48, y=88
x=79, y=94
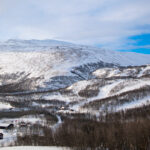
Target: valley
x=46, y=85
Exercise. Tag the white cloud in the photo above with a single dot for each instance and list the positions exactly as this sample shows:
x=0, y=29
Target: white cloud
x=105, y=22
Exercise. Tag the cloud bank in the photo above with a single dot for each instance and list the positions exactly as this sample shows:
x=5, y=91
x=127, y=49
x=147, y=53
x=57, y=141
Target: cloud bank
x=106, y=23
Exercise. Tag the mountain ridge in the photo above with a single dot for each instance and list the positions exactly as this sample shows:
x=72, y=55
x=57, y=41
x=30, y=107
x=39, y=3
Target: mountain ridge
x=59, y=64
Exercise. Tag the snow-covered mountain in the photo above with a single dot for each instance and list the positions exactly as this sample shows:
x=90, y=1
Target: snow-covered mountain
x=52, y=62
x=81, y=77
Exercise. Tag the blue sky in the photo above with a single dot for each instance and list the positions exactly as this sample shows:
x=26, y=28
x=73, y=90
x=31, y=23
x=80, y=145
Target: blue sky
x=122, y=25
x=140, y=44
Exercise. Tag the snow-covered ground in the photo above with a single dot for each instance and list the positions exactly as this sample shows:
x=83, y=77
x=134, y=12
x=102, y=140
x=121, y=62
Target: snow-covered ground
x=10, y=135
x=136, y=85
x=57, y=96
x=117, y=72
x=134, y=104
x=27, y=119
x=114, y=88
x=78, y=86
x=34, y=148
x=5, y=106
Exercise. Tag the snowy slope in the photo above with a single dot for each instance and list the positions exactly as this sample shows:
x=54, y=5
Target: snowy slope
x=86, y=54
x=5, y=106
x=86, y=74
x=119, y=88
x=63, y=78
x=54, y=60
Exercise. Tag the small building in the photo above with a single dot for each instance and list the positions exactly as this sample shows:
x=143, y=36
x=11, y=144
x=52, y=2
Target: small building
x=1, y=136
x=62, y=108
x=71, y=110
x=10, y=126
x=22, y=124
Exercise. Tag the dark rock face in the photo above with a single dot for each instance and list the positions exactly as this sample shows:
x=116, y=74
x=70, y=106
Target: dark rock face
x=85, y=71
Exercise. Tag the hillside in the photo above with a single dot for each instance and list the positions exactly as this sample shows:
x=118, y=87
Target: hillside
x=45, y=83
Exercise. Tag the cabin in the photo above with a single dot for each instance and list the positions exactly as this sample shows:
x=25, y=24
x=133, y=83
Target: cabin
x=1, y=136
x=62, y=108
x=71, y=110
x=10, y=126
x=22, y=124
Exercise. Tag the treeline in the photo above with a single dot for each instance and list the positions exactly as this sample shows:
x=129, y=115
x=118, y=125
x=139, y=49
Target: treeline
x=128, y=115
x=119, y=99
x=91, y=134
